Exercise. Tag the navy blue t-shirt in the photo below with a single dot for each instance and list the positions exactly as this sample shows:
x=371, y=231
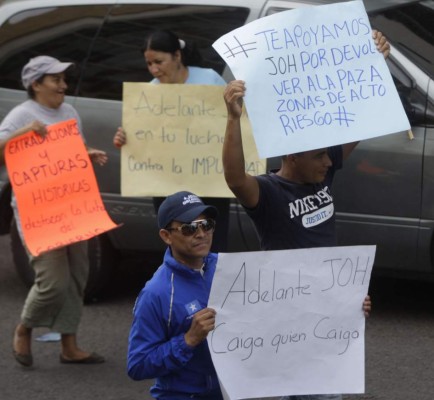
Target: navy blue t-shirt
x=291, y=215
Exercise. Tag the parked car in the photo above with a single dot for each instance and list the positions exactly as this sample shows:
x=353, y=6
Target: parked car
x=383, y=195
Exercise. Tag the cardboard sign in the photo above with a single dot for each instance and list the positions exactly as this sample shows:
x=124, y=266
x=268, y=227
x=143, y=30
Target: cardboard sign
x=314, y=79
x=55, y=188
x=290, y=322
x=175, y=136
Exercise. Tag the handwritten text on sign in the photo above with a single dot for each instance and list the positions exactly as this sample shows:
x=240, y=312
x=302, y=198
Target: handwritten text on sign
x=314, y=78
x=291, y=321
x=175, y=136
x=55, y=188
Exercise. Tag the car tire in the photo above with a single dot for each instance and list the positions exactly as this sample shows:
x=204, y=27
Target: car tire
x=102, y=262
x=103, y=259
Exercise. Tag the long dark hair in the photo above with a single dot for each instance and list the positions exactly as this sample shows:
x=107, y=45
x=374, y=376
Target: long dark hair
x=167, y=42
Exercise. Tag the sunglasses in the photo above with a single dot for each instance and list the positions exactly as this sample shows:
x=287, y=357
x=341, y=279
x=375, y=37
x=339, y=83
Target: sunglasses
x=207, y=225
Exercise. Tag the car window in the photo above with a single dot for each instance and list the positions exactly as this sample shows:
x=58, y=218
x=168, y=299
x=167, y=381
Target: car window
x=413, y=97
x=62, y=32
x=105, y=41
x=410, y=28
x=117, y=55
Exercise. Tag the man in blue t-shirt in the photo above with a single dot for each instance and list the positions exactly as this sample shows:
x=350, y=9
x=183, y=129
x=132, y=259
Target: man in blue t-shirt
x=291, y=207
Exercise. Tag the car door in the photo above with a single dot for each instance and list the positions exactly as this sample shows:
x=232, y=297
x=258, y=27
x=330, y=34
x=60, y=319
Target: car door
x=383, y=193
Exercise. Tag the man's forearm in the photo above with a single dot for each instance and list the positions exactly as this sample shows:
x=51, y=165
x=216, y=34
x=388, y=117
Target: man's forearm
x=233, y=153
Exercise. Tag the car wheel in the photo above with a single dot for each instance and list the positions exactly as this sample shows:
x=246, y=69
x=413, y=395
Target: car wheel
x=102, y=262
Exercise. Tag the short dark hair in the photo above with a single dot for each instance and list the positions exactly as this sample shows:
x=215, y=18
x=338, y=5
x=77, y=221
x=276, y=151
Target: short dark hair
x=300, y=153
x=168, y=42
x=30, y=92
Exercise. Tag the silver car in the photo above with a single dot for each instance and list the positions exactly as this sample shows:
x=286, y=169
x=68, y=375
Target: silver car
x=383, y=195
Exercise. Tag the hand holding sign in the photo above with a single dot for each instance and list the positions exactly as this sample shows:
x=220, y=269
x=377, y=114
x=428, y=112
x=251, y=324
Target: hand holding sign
x=203, y=323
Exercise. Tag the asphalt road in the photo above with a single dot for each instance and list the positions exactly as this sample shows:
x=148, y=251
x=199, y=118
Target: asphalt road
x=399, y=344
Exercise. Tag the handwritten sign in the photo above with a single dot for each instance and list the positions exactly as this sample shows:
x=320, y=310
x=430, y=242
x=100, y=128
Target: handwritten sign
x=290, y=322
x=175, y=136
x=314, y=78
x=55, y=188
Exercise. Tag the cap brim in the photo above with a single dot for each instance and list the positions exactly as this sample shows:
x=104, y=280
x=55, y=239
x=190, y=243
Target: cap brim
x=190, y=215
x=59, y=67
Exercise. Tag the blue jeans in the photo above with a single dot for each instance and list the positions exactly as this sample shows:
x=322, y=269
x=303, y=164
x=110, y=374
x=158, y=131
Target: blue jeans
x=314, y=397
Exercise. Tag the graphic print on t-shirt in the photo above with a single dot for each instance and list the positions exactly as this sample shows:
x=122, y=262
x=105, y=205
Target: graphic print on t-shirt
x=317, y=217
x=314, y=209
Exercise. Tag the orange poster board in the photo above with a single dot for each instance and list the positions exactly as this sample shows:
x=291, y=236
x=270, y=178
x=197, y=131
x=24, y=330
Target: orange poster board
x=55, y=187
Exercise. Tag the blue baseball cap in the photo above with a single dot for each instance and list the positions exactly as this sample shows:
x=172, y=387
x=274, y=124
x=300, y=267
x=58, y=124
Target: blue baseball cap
x=183, y=207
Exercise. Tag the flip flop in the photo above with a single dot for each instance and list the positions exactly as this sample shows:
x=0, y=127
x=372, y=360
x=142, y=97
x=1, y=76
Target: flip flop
x=25, y=360
x=93, y=358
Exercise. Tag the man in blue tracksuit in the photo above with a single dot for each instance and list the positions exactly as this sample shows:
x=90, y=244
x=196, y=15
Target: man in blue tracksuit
x=171, y=319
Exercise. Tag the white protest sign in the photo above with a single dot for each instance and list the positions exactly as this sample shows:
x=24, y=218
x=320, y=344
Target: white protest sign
x=290, y=322
x=314, y=79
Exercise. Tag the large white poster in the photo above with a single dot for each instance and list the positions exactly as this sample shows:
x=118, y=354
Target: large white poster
x=314, y=78
x=290, y=321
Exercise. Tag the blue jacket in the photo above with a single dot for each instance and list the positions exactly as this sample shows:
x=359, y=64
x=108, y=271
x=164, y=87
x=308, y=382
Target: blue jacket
x=162, y=314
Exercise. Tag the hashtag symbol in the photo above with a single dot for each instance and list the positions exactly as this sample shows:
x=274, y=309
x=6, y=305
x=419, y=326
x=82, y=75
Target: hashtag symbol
x=343, y=117
x=239, y=48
